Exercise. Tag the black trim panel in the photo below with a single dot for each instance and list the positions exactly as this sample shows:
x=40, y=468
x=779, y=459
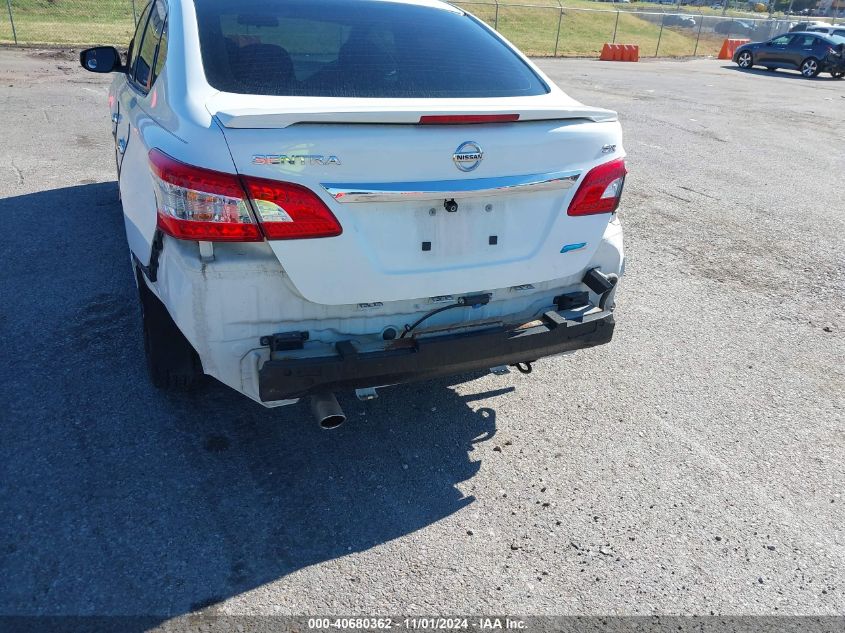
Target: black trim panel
x=408, y=360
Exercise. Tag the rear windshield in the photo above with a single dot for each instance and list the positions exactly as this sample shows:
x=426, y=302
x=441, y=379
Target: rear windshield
x=355, y=48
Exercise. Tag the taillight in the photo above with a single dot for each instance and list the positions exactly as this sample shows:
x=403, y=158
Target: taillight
x=205, y=205
x=601, y=189
x=200, y=204
x=288, y=211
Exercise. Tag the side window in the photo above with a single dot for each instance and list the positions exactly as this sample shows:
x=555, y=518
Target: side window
x=149, y=46
x=161, y=56
x=803, y=41
x=135, y=44
x=783, y=40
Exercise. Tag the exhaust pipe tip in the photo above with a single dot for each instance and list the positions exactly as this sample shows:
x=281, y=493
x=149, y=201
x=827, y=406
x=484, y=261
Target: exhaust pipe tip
x=332, y=421
x=327, y=411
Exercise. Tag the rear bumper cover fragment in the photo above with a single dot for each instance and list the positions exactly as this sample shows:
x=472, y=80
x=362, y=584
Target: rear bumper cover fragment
x=408, y=360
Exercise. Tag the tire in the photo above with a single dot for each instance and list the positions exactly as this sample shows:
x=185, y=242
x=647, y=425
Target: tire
x=810, y=67
x=745, y=60
x=172, y=363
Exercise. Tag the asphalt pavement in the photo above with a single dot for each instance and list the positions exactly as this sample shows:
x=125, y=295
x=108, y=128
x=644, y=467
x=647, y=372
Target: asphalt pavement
x=694, y=465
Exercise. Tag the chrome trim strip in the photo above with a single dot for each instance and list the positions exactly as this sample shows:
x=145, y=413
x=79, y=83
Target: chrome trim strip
x=448, y=189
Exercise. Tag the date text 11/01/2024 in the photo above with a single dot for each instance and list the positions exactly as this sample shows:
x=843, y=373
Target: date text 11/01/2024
x=422, y=623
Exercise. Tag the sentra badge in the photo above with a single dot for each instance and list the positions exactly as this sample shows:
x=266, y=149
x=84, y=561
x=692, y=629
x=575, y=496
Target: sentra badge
x=294, y=159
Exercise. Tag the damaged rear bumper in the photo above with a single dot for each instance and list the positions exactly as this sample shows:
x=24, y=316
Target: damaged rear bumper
x=423, y=358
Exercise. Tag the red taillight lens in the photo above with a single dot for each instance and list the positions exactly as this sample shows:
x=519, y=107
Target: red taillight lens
x=463, y=119
x=288, y=211
x=204, y=205
x=200, y=204
x=601, y=189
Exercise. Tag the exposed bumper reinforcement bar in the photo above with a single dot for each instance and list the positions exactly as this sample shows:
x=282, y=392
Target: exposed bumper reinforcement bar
x=423, y=358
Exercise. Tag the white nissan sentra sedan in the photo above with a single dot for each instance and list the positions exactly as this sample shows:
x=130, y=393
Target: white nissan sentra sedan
x=337, y=195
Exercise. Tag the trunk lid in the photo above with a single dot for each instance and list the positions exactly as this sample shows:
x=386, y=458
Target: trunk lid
x=266, y=112
x=389, y=180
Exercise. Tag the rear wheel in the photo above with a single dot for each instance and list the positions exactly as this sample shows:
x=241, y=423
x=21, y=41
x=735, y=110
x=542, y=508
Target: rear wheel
x=172, y=362
x=745, y=60
x=810, y=67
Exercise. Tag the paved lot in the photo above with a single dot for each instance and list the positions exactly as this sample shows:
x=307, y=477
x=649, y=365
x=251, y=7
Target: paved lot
x=695, y=465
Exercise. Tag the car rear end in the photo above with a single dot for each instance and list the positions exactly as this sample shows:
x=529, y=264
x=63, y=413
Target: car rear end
x=834, y=62
x=409, y=198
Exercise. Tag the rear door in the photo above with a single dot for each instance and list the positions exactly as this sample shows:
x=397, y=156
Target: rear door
x=125, y=94
x=801, y=47
x=145, y=62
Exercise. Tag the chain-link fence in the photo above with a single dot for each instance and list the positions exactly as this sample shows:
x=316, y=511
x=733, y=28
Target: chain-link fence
x=545, y=28
x=68, y=22
x=559, y=29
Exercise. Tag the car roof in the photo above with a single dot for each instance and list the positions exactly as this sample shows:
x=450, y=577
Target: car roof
x=830, y=39
x=435, y=4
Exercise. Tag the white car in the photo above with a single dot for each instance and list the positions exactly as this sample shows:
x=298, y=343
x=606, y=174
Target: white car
x=838, y=31
x=338, y=195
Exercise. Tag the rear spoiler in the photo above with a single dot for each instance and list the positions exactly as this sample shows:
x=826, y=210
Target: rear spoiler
x=259, y=118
